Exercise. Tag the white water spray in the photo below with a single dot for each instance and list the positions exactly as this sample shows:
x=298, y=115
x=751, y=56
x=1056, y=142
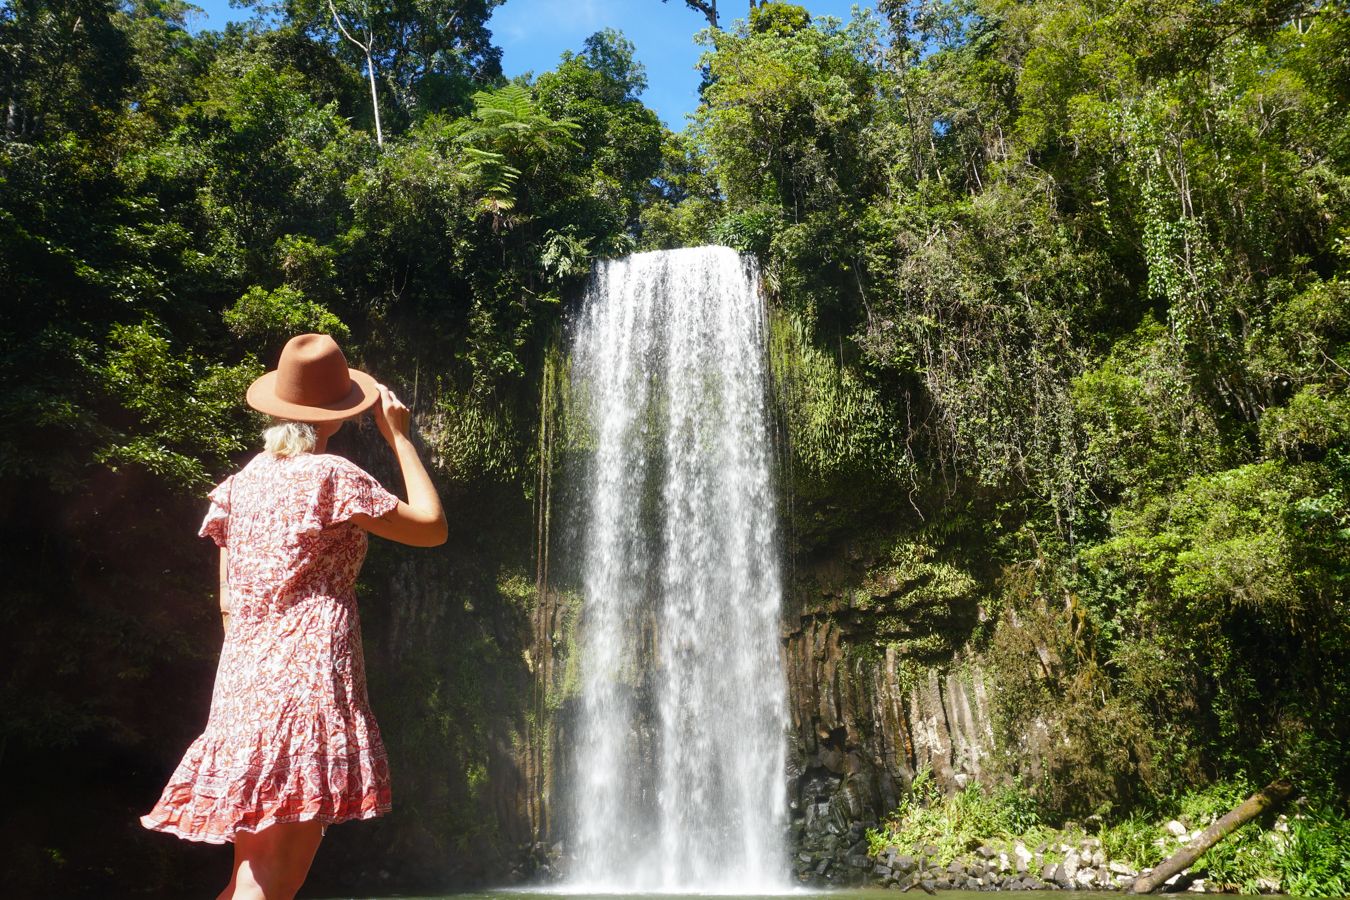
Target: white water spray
x=680, y=749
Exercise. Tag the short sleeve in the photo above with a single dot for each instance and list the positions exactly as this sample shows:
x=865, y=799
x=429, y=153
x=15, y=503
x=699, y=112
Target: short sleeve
x=216, y=525
x=352, y=490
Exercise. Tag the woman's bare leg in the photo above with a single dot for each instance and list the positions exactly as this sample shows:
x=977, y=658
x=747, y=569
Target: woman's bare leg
x=272, y=864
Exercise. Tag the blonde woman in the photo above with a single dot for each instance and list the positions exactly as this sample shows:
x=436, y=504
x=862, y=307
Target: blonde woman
x=290, y=745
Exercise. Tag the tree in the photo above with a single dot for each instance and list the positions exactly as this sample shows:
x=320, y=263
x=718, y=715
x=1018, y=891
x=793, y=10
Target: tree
x=63, y=66
x=708, y=8
x=431, y=55
x=367, y=48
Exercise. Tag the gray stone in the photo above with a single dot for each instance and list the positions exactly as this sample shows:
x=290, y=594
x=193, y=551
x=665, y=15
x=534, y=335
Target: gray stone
x=955, y=867
x=986, y=851
x=823, y=867
x=1048, y=873
x=859, y=861
x=881, y=871
x=903, y=863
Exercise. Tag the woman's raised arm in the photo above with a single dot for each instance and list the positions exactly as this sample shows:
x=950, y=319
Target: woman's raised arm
x=420, y=522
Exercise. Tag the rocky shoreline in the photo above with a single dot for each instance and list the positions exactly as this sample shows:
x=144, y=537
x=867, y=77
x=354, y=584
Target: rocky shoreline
x=1067, y=864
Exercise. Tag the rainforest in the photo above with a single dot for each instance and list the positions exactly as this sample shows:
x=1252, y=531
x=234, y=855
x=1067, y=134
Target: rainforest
x=1057, y=304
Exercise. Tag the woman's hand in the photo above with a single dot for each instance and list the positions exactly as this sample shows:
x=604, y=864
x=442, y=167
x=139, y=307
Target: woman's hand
x=421, y=521
x=391, y=416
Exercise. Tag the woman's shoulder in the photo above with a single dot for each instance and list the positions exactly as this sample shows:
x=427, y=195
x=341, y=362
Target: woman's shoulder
x=331, y=462
x=312, y=469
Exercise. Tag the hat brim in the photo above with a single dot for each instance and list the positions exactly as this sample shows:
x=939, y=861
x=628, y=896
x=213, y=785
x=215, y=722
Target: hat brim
x=262, y=396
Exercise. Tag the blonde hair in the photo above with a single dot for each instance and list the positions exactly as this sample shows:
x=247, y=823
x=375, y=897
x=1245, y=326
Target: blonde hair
x=290, y=438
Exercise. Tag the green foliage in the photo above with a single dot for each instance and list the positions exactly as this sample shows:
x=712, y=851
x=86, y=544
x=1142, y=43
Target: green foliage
x=428, y=57
x=782, y=19
x=837, y=423
x=1316, y=857
x=1134, y=839
x=266, y=318
x=1069, y=283
x=1142, y=425
x=189, y=409
x=954, y=823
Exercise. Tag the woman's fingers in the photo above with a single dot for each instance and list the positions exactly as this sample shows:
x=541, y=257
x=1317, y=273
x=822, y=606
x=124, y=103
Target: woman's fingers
x=392, y=411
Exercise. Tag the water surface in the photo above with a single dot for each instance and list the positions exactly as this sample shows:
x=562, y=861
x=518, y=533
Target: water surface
x=793, y=894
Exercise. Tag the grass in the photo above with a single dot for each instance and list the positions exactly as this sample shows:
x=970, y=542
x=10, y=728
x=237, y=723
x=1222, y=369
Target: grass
x=957, y=823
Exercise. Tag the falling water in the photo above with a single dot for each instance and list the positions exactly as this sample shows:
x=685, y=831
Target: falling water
x=680, y=748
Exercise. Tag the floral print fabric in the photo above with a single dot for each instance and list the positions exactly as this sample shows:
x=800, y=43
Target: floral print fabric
x=290, y=736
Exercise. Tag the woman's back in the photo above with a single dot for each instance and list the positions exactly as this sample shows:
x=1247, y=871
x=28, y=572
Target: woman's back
x=287, y=524
x=290, y=736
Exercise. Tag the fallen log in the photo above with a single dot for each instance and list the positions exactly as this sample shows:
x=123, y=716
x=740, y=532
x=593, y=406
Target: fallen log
x=1269, y=796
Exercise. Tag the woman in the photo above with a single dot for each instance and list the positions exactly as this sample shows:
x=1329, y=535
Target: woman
x=290, y=745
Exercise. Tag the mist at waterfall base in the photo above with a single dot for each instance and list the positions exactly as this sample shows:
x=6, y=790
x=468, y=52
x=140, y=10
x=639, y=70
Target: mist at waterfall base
x=678, y=747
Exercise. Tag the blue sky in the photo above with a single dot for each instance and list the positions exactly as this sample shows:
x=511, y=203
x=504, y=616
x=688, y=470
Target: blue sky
x=534, y=33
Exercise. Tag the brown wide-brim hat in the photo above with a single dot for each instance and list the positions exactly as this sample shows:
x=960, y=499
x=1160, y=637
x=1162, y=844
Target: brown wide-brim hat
x=312, y=383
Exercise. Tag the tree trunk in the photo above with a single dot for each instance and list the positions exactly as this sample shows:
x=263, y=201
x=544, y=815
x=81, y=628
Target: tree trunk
x=1271, y=795
x=707, y=7
x=374, y=100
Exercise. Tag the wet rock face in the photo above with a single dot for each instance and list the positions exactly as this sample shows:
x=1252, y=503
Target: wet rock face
x=879, y=689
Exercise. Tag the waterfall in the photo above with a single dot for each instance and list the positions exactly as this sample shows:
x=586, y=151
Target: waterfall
x=680, y=738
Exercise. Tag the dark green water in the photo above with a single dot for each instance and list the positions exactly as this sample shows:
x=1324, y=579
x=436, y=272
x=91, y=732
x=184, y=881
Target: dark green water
x=799, y=894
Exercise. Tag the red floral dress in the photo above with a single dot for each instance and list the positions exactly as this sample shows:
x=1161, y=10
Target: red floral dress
x=290, y=737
